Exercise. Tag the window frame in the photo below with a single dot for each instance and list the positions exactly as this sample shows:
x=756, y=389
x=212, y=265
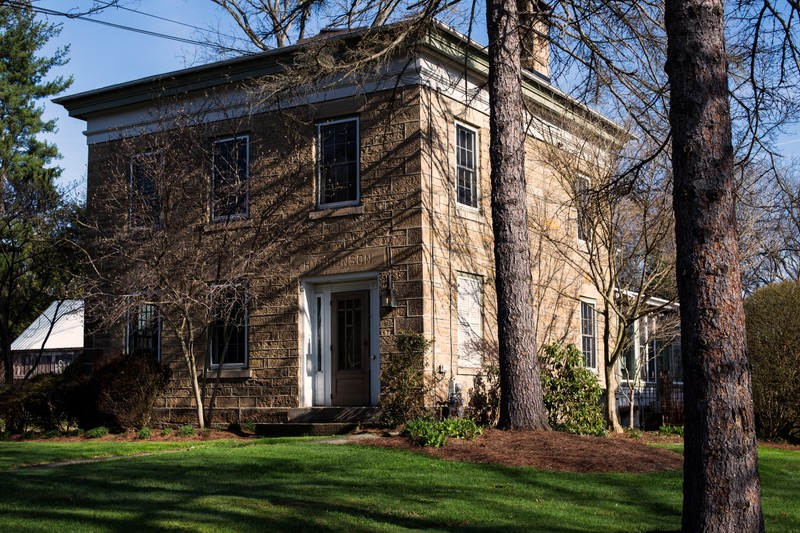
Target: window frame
x=137, y=199
x=129, y=329
x=321, y=204
x=464, y=359
x=212, y=193
x=213, y=328
x=476, y=179
x=591, y=353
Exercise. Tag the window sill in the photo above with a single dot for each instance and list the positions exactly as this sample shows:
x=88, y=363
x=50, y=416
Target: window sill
x=229, y=373
x=332, y=212
x=470, y=213
x=214, y=226
x=468, y=370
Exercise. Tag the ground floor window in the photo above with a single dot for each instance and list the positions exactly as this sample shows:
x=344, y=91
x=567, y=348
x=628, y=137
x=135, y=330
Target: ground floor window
x=228, y=334
x=588, y=334
x=144, y=331
x=470, y=320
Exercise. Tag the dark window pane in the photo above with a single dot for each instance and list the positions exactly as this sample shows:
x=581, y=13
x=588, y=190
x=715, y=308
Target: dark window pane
x=144, y=331
x=338, y=164
x=466, y=168
x=145, y=202
x=230, y=178
x=228, y=335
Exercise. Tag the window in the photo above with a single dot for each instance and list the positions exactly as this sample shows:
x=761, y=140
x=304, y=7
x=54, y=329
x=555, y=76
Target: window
x=229, y=181
x=338, y=164
x=466, y=167
x=582, y=204
x=228, y=335
x=144, y=331
x=470, y=320
x=588, y=328
x=145, y=204
x=673, y=360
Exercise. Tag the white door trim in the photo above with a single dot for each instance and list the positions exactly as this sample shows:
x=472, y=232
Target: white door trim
x=315, y=322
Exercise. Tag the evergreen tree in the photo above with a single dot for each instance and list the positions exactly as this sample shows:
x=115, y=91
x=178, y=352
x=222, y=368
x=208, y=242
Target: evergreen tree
x=34, y=214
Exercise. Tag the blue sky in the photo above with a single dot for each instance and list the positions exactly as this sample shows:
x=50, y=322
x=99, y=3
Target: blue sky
x=101, y=55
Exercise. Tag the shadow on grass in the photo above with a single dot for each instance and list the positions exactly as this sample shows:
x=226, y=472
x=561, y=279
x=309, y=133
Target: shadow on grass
x=316, y=487
x=302, y=487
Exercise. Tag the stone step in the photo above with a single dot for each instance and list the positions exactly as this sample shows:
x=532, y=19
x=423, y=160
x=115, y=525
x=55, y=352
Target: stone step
x=300, y=429
x=342, y=415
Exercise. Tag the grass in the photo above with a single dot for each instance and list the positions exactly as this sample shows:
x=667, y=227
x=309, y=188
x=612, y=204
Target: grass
x=302, y=486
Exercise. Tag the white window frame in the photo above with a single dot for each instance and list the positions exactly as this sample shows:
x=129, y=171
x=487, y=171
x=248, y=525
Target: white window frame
x=134, y=191
x=476, y=182
x=590, y=353
x=212, y=329
x=467, y=358
x=129, y=330
x=320, y=200
x=235, y=216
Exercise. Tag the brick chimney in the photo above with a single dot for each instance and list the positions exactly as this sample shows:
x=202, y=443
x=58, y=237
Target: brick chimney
x=534, y=26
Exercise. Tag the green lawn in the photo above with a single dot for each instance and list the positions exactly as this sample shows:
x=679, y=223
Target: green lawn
x=306, y=486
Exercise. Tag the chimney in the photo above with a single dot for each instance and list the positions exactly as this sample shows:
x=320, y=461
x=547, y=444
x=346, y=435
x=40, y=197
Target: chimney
x=534, y=29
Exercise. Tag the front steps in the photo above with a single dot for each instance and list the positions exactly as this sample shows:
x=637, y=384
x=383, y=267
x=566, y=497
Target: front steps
x=320, y=421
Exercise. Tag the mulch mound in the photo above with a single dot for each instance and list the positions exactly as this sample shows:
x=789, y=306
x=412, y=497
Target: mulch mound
x=548, y=450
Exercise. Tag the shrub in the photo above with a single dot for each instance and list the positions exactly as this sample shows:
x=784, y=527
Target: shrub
x=97, y=433
x=425, y=432
x=571, y=391
x=186, y=431
x=35, y=402
x=671, y=430
x=461, y=428
x=402, y=380
x=166, y=432
x=773, y=341
x=145, y=433
x=120, y=394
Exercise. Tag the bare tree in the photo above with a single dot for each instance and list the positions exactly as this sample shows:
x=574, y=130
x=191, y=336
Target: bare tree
x=624, y=244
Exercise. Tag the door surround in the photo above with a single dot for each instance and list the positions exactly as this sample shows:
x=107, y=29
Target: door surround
x=315, y=334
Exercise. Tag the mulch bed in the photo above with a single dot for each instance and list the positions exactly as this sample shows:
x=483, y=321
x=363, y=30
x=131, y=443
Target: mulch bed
x=549, y=450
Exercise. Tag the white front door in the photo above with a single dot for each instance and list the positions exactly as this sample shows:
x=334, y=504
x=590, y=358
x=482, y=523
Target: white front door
x=340, y=341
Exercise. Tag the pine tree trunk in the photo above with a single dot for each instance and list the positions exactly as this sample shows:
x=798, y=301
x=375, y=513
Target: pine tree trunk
x=721, y=487
x=521, y=404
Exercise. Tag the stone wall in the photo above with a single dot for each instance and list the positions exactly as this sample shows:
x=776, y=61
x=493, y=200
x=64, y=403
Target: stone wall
x=284, y=238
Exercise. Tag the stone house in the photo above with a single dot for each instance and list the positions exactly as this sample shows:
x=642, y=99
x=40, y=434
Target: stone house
x=324, y=221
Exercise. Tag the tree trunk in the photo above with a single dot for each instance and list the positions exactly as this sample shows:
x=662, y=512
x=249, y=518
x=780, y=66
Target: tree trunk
x=721, y=487
x=612, y=383
x=521, y=403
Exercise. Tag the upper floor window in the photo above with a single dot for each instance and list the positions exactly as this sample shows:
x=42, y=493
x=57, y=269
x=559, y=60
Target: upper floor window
x=338, y=163
x=230, y=178
x=582, y=186
x=144, y=331
x=466, y=167
x=588, y=334
x=145, y=203
x=228, y=335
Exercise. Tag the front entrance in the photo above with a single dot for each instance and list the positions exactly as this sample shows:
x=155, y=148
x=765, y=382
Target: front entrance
x=350, y=348
x=340, y=341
